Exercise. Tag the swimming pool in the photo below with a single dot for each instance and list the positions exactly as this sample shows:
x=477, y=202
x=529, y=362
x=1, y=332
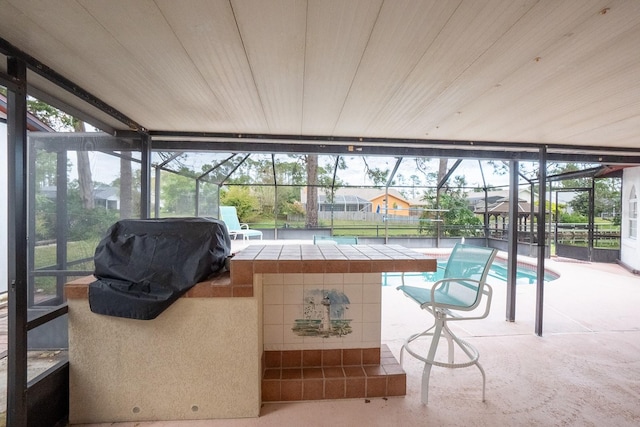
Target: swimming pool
x=525, y=275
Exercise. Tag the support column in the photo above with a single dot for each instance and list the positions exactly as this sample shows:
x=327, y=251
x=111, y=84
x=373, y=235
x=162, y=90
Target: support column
x=542, y=186
x=532, y=221
x=592, y=219
x=512, y=239
x=197, y=197
x=17, y=239
x=156, y=206
x=62, y=228
x=145, y=177
x=487, y=230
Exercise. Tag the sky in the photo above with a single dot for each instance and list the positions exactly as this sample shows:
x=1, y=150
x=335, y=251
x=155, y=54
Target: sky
x=106, y=169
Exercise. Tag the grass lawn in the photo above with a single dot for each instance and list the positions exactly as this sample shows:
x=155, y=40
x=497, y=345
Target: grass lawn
x=45, y=256
x=371, y=229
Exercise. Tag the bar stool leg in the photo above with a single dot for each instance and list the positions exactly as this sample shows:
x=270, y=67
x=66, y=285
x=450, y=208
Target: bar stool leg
x=426, y=373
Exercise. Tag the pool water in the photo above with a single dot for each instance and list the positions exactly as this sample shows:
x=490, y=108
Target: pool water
x=524, y=275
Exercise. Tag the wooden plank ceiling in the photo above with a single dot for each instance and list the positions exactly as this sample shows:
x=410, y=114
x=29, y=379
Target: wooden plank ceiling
x=547, y=71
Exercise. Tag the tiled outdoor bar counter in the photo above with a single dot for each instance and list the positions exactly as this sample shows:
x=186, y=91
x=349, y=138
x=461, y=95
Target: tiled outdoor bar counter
x=290, y=322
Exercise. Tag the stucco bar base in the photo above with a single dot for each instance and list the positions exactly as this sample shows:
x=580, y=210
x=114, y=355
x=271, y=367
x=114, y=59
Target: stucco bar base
x=199, y=359
x=202, y=358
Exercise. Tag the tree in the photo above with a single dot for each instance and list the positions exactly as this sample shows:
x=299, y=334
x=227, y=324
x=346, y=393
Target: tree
x=61, y=122
x=377, y=175
x=178, y=192
x=240, y=197
x=46, y=174
x=312, y=191
x=46, y=161
x=126, y=184
x=606, y=197
x=51, y=116
x=258, y=174
x=84, y=171
x=86, y=223
x=290, y=175
x=130, y=200
x=46, y=169
x=45, y=218
x=456, y=215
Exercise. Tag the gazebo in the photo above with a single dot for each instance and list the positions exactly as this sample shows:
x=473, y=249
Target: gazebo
x=498, y=212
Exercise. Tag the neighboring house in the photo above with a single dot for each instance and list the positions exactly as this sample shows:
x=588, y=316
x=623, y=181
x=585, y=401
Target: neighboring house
x=362, y=200
x=418, y=206
x=343, y=203
x=107, y=197
x=392, y=201
x=103, y=196
x=629, y=237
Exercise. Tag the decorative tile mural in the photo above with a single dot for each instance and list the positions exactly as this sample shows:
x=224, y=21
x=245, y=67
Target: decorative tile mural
x=321, y=311
x=324, y=314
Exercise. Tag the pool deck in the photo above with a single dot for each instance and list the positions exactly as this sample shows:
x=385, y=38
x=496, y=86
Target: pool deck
x=584, y=370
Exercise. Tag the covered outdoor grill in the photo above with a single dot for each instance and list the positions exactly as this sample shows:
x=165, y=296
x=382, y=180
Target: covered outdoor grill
x=143, y=266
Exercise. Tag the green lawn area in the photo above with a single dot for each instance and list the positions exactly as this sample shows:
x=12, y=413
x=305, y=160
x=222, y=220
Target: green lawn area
x=369, y=229
x=45, y=256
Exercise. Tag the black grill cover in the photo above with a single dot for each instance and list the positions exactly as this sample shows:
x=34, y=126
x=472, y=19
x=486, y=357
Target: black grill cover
x=143, y=266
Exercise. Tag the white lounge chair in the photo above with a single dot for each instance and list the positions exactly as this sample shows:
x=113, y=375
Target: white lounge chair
x=460, y=290
x=335, y=240
x=229, y=215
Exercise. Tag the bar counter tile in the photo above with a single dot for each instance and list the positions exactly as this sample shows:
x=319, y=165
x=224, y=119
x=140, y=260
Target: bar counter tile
x=292, y=259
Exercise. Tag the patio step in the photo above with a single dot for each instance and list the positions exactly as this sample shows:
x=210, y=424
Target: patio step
x=331, y=374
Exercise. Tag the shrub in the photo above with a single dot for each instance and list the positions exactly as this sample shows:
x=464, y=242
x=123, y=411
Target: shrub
x=240, y=197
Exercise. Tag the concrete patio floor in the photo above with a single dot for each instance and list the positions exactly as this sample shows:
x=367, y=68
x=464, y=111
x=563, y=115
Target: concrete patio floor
x=584, y=370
